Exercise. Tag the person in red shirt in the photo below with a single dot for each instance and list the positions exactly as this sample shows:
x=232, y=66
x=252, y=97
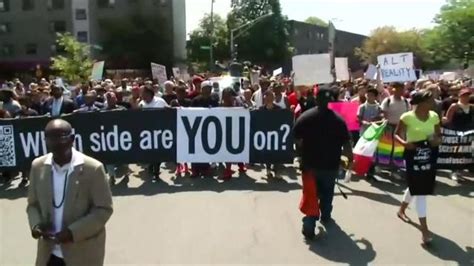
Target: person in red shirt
x=197, y=80
x=228, y=100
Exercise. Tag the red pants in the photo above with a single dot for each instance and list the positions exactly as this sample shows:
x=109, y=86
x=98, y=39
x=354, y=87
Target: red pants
x=309, y=204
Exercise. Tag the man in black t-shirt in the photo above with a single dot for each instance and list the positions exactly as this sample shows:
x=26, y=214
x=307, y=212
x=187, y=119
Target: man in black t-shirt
x=323, y=137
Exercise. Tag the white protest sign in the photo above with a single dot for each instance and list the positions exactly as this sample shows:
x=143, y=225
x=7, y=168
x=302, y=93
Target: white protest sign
x=371, y=72
x=277, y=72
x=254, y=75
x=176, y=72
x=59, y=82
x=397, y=67
x=311, y=69
x=448, y=76
x=205, y=136
x=98, y=70
x=342, y=68
x=159, y=73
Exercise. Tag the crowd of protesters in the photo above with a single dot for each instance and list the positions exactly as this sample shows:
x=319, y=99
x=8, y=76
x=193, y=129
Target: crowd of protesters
x=378, y=102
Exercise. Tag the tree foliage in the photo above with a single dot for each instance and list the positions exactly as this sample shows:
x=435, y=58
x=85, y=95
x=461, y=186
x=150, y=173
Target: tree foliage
x=386, y=40
x=266, y=42
x=316, y=21
x=75, y=63
x=201, y=37
x=453, y=37
x=136, y=41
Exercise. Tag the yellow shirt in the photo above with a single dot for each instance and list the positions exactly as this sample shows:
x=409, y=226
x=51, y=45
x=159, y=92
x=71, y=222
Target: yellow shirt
x=418, y=130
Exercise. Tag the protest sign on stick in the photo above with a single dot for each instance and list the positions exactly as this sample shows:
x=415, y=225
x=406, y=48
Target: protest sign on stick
x=176, y=72
x=311, y=69
x=277, y=72
x=98, y=70
x=371, y=72
x=397, y=67
x=254, y=77
x=159, y=73
x=342, y=68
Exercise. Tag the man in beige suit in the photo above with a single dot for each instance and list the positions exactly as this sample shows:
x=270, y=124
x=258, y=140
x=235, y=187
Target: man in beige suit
x=69, y=202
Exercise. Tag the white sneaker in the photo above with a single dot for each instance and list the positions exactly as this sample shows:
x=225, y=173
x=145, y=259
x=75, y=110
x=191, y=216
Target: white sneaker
x=348, y=177
x=455, y=177
x=396, y=176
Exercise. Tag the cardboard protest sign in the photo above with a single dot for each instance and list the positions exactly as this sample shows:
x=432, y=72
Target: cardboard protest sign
x=342, y=68
x=312, y=69
x=159, y=73
x=98, y=70
x=176, y=72
x=371, y=72
x=348, y=111
x=277, y=72
x=397, y=67
x=448, y=76
x=254, y=76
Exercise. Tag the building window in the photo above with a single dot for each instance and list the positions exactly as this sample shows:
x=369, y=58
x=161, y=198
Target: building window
x=82, y=36
x=105, y=3
x=5, y=28
x=310, y=35
x=295, y=31
x=4, y=5
x=28, y=5
x=81, y=14
x=31, y=48
x=57, y=26
x=56, y=4
x=6, y=50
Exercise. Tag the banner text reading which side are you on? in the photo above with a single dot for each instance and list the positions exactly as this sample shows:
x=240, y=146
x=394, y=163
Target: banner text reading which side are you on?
x=170, y=135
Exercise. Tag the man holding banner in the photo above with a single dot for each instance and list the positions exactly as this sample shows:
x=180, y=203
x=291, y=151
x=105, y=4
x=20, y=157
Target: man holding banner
x=322, y=136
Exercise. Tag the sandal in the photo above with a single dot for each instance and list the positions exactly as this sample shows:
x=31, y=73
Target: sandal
x=403, y=217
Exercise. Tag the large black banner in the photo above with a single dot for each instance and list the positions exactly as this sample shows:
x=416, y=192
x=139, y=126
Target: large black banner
x=456, y=151
x=168, y=135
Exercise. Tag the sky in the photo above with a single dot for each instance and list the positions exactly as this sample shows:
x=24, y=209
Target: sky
x=358, y=16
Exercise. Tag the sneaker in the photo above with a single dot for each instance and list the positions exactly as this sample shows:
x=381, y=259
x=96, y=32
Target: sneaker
x=455, y=176
x=227, y=175
x=242, y=168
x=308, y=236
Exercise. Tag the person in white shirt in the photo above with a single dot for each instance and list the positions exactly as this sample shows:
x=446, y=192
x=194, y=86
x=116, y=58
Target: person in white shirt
x=69, y=202
x=149, y=100
x=393, y=108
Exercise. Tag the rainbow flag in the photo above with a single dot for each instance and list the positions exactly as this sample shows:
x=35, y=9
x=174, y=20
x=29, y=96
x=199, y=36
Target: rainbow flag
x=384, y=150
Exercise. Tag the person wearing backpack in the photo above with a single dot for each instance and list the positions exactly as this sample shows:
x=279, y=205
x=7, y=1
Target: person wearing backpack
x=368, y=113
x=393, y=108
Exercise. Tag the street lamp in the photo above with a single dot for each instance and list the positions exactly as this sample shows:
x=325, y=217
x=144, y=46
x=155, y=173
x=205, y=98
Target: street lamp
x=247, y=25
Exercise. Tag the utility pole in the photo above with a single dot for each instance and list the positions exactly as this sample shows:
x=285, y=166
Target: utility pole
x=211, y=39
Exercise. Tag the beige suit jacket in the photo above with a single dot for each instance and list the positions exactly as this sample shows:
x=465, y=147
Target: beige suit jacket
x=87, y=207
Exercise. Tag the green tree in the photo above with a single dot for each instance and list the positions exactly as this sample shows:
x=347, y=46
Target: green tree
x=75, y=63
x=453, y=37
x=316, y=21
x=265, y=42
x=386, y=40
x=200, y=37
x=135, y=41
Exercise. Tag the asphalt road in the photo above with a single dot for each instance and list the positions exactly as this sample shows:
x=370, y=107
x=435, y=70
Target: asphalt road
x=252, y=220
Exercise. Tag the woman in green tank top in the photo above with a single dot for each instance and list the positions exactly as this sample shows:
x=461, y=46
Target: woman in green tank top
x=419, y=132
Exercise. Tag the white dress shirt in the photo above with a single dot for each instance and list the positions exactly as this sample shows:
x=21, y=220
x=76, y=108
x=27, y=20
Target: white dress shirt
x=56, y=106
x=59, y=191
x=157, y=102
